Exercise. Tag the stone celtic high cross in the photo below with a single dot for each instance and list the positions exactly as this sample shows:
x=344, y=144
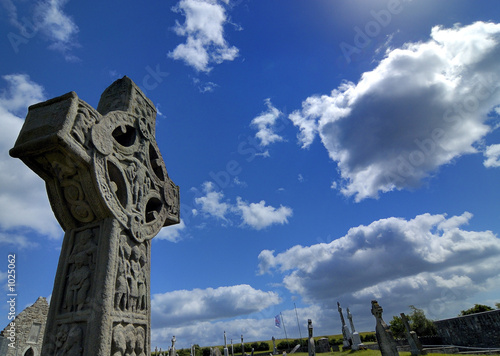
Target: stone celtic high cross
x=110, y=191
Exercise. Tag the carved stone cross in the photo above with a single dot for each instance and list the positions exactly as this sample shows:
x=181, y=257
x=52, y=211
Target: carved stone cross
x=110, y=191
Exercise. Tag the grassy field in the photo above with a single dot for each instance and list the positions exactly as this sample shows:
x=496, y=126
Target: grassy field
x=337, y=353
x=366, y=353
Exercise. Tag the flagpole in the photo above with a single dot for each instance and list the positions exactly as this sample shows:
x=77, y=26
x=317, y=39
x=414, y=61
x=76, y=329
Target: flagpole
x=284, y=328
x=300, y=333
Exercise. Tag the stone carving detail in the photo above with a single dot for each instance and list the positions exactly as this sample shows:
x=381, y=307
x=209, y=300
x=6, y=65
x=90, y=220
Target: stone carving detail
x=110, y=191
x=81, y=266
x=131, y=283
x=131, y=174
x=128, y=340
x=69, y=340
x=86, y=117
x=68, y=177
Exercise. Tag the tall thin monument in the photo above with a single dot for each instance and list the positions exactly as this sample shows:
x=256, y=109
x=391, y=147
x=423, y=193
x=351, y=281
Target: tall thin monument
x=109, y=189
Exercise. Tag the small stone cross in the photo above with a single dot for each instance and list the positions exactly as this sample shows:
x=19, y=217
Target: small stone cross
x=110, y=191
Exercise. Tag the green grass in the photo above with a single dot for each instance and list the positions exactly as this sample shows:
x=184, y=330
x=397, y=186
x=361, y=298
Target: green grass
x=365, y=353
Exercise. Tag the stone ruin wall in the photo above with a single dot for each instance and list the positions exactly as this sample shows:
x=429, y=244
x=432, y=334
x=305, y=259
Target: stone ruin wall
x=475, y=330
x=30, y=328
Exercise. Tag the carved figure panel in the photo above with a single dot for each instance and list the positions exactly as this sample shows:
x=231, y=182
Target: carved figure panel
x=128, y=340
x=81, y=267
x=131, y=278
x=85, y=118
x=69, y=340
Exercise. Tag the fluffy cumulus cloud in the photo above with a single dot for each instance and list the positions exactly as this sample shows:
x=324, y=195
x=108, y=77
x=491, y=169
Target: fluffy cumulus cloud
x=23, y=200
x=211, y=203
x=204, y=31
x=48, y=19
x=423, y=105
x=255, y=215
x=266, y=125
x=259, y=215
x=492, y=154
x=183, y=307
x=428, y=261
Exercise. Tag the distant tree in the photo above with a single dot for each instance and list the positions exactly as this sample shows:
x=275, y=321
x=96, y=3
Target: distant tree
x=418, y=323
x=477, y=308
x=368, y=338
x=334, y=341
x=283, y=345
x=497, y=305
x=397, y=327
x=263, y=346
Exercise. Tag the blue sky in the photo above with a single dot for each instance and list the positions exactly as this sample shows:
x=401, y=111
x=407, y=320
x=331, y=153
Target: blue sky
x=325, y=150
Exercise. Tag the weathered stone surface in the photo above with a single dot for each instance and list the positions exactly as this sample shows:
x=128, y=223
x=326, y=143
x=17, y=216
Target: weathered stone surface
x=385, y=340
x=311, y=347
x=110, y=191
x=474, y=330
x=416, y=348
x=29, y=329
x=346, y=333
x=356, y=339
x=323, y=345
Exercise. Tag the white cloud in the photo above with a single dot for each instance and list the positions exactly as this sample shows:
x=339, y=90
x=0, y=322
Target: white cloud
x=211, y=203
x=427, y=261
x=172, y=233
x=256, y=215
x=48, y=18
x=204, y=29
x=424, y=105
x=492, y=154
x=259, y=215
x=54, y=22
x=184, y=307
x=23, y=200
x=266, y=123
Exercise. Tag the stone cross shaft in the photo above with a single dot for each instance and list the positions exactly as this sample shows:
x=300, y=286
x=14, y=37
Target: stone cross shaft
x=110, y=191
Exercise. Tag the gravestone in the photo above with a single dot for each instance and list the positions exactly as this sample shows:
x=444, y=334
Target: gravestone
x=226, y=351
x=275, y=350
x=217, y=352
x=323, y=345
x=385, y=340
x=110, y=191
x=346, y=334
x=242, y=346
x=295, y=348
x=416, y=348
x=356, y=339
x=311, y=348
x=172, y=352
